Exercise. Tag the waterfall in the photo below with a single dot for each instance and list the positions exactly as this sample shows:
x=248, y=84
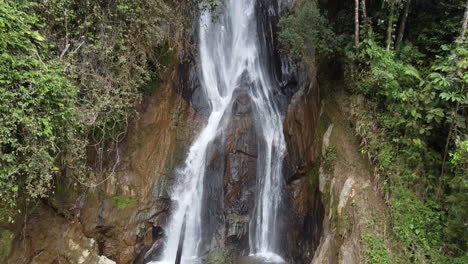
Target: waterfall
x=229, y=56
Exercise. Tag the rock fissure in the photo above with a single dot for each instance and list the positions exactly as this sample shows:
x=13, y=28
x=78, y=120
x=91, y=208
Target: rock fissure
x=244, y=153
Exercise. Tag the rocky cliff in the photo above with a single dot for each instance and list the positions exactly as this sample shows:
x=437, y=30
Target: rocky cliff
x=122, y=220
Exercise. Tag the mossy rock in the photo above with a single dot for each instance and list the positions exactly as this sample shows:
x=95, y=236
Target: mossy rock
x=314, y=174
x=123, y=202
x=219, y=257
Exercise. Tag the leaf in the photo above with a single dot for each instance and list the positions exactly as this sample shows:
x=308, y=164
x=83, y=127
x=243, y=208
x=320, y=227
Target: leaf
x=412, y=71
x=35, y=35
x=449, y=96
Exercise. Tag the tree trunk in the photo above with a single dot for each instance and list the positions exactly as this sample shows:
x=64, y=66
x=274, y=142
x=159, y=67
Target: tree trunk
x=364, y=11
x=356, y=24
x=452, y=129
x=390, y=25
x=465, y=21
x=401, y=30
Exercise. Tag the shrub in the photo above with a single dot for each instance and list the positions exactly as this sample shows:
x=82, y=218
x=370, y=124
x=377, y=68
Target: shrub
x=306, y=30
x=37, y=111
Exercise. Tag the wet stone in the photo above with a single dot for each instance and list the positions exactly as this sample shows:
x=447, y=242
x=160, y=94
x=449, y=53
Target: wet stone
x=241, y=106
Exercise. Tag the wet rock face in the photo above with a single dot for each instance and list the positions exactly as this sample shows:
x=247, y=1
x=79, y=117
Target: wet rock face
x=233, y=159
x=282, y=69
x=120, y=215
x=55, y=240
x=301, y=170
x=188, y=84
x=124, y=218
x=240, y=175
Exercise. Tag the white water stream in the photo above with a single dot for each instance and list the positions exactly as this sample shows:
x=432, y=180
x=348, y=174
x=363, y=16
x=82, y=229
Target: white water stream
x=229, y=53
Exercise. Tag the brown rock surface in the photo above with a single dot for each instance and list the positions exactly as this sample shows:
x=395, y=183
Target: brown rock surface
x=349, y=191
x=116, y=218
x=306, y=210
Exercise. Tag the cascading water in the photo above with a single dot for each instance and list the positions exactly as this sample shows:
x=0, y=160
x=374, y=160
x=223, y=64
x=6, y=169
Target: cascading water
x=229, y=50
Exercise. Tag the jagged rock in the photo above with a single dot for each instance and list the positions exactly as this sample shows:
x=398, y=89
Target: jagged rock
x=323, y=177
x=115, y=223
x=348, y=252
x=304, y=224
x=239, y=176
x=322, y=254
x=350, y=199
x=326, y=140
x=117, y=216
x=105, y=260
x=347, y=192
x=54, y=239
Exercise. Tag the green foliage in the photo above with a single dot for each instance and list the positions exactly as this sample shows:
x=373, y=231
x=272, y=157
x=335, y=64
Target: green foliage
x=410, y=109
x=113, y=53
x=37, y=110
x=123, y=202
x=418, y=223
x=414, y=117
x=306, y=30
x=413, y=107
x=71, y=74
x=435, y=23
x=330, y=158
x=6, y=244
x=377, y=252
x=375, y=241
x=457, y=234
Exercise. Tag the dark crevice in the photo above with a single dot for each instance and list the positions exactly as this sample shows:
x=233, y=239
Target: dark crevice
x=237, y=151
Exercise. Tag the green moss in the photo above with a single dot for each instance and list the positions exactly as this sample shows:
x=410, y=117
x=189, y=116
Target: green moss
x=166, y=54
x=330, y=159
x=6, y=244
x=324, y=122
x=150, y=84
x=123, y=202
x=314, y=173
x=152, y=79
x=219, y=257
x=343, y=224
x=417, y=221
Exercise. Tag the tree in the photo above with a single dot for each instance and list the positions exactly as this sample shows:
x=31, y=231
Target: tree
x=364, y=11
x=391, y=19
x=305, y=32
x=401, y=30
x=465, y=21
x=356, y=23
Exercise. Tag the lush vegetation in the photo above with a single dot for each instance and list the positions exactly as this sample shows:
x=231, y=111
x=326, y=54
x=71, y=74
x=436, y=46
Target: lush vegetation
x=72, y=73
x=415, y=130
x=122, y=202
x=411, y=95
x=306, y=31
x=37, y=111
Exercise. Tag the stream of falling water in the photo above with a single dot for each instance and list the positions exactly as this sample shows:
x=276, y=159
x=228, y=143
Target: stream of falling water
x=229, y=53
